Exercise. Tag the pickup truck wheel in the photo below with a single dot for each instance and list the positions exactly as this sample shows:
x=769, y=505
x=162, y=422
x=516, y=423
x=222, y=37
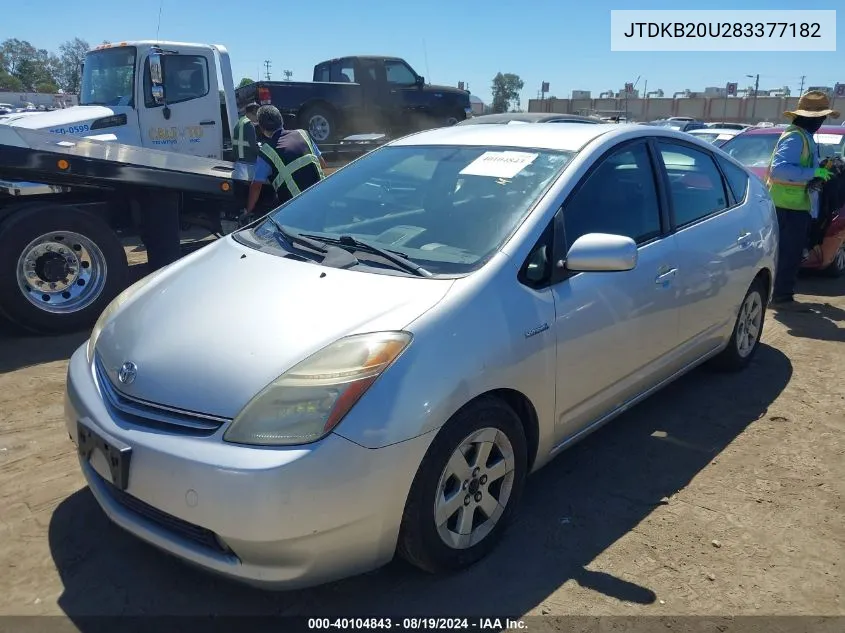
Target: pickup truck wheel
x=59, y=268
x=320, y=123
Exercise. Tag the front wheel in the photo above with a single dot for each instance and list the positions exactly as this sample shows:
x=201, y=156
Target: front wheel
x=466, y=490
x=837, y=266
x=59, y=268
x=748, y=329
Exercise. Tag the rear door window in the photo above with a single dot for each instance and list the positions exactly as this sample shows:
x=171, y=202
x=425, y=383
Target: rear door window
x=696, y=188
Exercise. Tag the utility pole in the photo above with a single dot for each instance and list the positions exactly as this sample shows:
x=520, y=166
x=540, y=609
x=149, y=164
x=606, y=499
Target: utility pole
x=267, y=69
x=288, y=74
x=801, y=89
x=756, y=89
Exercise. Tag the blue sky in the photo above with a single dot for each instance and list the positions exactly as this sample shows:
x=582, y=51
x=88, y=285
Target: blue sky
x=564, y=42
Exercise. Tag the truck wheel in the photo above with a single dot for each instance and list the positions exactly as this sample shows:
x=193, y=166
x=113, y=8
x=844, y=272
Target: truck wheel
x=454, y=119
x=59, y=268
x=320, y=123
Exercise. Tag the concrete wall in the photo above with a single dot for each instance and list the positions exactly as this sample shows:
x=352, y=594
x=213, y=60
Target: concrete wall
x=20, y=99
x=740, y=110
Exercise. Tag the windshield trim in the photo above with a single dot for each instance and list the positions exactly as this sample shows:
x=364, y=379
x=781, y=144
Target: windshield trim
x=246, y=235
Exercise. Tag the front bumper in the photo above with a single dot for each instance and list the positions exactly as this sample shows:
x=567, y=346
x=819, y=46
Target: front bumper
x=275, y=518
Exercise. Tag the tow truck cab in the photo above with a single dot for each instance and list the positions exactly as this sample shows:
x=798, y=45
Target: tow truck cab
x=164, y=96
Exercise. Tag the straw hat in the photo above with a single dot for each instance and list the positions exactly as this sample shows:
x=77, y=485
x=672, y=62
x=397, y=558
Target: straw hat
x=813, y=103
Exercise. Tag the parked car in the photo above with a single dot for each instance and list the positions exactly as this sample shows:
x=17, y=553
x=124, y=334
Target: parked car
x=716, y=136
x=754, y=149
x=728, y=126
x=507, y=118
x=682, y=125
x=416, y=334
x=7, y=108
x=362, y=94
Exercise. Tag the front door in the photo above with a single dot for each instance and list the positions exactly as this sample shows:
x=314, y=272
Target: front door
x=194, y=125
x=404, y=96
x=615, y=331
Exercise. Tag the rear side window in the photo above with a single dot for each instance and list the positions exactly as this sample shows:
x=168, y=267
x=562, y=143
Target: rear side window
x=696, y=186
x=737, y=179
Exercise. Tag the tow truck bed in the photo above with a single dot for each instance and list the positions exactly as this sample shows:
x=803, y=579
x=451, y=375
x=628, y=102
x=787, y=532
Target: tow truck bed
x=41, y=157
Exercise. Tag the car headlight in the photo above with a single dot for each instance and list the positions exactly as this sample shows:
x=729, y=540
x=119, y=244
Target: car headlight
x=306, y=402
x=112, y=308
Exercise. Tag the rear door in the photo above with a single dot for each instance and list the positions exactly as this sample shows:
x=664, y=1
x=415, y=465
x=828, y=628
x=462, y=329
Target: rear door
x=194, y=125
x=714, y=233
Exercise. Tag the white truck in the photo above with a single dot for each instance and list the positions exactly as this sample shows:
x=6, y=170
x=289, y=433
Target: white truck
x=151, y=130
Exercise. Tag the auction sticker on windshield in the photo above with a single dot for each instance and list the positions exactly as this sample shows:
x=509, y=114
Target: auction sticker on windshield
x=828, y=139
x=499, y=164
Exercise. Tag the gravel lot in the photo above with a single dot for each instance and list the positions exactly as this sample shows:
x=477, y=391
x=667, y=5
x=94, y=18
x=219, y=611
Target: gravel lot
x=722, y=496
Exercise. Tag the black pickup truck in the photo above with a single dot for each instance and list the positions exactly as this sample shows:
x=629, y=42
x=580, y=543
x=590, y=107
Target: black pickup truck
x=354, y=95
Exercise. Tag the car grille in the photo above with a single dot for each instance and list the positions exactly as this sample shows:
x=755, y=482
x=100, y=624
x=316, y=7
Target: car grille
x=177, y=526
x=153, y=415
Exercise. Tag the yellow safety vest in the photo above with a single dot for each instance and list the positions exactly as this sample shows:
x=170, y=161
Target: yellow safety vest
x=791, y=195
x=284, y=173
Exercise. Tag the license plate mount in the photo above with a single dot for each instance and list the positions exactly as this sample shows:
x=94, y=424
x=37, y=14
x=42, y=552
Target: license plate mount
x=107, y=455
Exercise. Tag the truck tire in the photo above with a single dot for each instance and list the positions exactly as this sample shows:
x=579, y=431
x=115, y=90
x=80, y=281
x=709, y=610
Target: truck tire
x=59, y=268
x=320, y=122
x=836, y=268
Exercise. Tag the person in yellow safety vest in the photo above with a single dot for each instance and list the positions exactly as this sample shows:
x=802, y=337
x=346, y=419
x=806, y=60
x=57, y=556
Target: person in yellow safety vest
x=794, y=162
x=245, y=143
x=287, y=159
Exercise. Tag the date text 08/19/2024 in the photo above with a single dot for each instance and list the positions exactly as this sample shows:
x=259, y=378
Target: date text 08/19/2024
x=415, y=624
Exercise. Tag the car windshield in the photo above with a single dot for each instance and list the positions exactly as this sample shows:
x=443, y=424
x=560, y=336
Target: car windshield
x=755, y=150
x=108, y=77
x=447, y=209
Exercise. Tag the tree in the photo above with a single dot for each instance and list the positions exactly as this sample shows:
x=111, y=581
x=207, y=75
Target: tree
x=10, y=82
x=71, y=56
x=245, y=82
x=506, y=88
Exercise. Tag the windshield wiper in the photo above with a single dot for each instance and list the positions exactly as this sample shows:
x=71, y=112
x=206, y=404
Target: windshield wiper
x=398, y=259
x=295, y=238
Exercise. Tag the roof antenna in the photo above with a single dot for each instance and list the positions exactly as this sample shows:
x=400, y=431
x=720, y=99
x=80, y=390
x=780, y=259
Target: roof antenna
x=425, y=55
x=158, y=26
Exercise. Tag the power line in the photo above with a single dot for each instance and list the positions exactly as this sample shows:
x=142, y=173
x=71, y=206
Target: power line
x=267, y=69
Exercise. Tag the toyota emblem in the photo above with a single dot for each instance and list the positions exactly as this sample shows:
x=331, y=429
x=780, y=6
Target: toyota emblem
x=127, y=373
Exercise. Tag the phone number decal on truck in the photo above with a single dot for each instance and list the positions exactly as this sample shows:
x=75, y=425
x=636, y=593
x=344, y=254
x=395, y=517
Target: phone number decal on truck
x=71, y=129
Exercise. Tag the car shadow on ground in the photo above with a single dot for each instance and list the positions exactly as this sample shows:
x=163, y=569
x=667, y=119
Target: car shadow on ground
x=573, y=510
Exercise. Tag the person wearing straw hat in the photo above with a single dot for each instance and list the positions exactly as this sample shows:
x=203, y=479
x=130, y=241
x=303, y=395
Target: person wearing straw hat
x=794, y=163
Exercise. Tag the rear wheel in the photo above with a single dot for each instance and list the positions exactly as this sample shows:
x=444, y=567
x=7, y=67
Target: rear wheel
x=321, y=123
x=59, y=268
x=748, y=328
x=466, y=490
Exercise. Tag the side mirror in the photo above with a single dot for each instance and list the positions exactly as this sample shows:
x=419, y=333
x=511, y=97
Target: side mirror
x=157, y=78
x=601, y=252
x=420, y=81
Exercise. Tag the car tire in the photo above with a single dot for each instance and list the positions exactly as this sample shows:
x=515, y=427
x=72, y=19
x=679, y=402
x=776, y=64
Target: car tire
x=747, y=331
x=320, y=123
x=487, y=423
x=98, y=268
x=836, y=268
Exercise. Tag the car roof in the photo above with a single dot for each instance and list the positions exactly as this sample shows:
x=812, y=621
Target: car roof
x=825, y=129
x=548, y=136
x=528, y=117
x=715, y=130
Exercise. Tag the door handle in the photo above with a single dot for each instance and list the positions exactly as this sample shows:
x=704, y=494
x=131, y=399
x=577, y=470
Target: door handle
x=207, y=123
x=664, y=278
x=744, y=240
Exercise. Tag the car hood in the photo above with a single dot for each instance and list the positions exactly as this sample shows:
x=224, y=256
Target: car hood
x=448, y=90
x=219, y=325
x=58, y=118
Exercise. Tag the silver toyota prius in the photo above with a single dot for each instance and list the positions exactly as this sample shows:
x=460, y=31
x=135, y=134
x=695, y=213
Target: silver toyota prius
x=377, y=365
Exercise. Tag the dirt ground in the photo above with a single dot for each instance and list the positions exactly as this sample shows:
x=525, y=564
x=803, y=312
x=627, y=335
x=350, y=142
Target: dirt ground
x=720, y=496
